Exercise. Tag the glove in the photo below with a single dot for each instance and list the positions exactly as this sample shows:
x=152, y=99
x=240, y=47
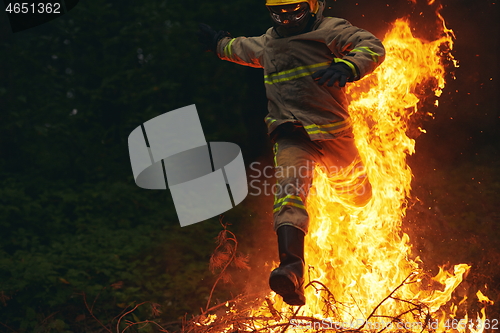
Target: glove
x=209, y=37
x=338, y=71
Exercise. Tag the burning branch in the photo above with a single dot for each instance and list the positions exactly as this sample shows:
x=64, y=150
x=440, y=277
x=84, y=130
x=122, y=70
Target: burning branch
x=235, y=321
x=390, y=296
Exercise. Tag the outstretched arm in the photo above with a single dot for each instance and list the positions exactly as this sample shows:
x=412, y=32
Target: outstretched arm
x=245, y=51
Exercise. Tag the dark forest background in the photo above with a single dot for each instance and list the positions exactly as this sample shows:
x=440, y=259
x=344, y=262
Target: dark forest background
x=73, y=224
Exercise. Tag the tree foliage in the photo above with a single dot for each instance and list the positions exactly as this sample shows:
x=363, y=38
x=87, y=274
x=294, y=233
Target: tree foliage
x=73, y=221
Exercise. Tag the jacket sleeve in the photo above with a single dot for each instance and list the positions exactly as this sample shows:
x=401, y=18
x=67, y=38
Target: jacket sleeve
x=245, y=51
x=355, y=45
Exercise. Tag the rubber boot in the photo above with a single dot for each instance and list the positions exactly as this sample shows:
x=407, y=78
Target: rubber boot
x=288, y=279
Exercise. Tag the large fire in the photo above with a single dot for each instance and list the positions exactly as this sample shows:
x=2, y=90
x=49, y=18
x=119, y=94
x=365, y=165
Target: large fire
x=360, y=272
x=360, y=253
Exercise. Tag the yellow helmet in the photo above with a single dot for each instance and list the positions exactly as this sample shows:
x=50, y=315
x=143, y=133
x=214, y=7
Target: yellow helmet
x=313, y=4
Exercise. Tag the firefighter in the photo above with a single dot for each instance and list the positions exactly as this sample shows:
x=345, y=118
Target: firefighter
x=307, y=61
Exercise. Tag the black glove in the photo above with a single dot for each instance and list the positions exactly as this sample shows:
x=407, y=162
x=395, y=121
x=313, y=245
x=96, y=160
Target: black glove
x=338, y=71
x=209, y=37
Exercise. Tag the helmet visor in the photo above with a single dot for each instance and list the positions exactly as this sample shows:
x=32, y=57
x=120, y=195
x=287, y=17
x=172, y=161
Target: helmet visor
x=289, y=14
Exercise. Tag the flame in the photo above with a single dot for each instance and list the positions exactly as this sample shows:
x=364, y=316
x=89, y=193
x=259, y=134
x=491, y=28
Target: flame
x=483, y=299
x=361, y=274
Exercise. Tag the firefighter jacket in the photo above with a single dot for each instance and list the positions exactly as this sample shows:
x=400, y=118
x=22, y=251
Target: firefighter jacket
x=289, y=62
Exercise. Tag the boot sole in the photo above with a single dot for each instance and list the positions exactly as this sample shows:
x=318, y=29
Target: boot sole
x=286, y=289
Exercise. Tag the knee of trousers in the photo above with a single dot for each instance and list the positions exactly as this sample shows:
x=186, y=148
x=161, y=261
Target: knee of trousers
x=298, y=186
x=292, y=216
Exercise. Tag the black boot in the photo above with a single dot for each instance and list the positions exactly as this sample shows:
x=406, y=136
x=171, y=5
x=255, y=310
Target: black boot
x=287, y=280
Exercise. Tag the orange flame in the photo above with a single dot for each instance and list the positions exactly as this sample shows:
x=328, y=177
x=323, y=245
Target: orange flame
x=359, y=259
x=361, y=275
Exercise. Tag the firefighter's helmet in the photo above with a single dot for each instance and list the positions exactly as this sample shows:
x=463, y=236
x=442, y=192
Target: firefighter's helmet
x=313, y=4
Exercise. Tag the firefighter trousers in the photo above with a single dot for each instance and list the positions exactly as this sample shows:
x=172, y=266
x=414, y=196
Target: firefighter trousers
x=295, y=157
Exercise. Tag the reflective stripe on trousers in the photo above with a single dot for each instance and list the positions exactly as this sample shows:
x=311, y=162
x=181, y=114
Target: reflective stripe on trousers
x=295, y=157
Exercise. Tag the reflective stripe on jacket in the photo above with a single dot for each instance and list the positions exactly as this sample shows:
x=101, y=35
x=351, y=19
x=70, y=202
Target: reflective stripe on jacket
x=288, y=62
